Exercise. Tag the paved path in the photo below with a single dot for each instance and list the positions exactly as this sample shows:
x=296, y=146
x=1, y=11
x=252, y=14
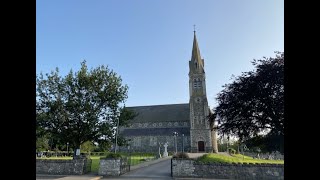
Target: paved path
x=159, y=169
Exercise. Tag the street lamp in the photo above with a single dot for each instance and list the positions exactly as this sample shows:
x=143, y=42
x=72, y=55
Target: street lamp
x=67, y=149
x=175, y=134
x=115, y=149
x=183, y=143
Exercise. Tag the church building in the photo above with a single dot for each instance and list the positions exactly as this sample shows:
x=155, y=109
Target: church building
x=183, y=126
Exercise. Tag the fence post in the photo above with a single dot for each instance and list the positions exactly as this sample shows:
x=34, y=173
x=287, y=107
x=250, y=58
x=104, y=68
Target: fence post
x=171, y=167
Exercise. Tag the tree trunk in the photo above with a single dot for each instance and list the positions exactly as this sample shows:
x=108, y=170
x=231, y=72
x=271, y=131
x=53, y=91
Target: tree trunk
x=214, y=141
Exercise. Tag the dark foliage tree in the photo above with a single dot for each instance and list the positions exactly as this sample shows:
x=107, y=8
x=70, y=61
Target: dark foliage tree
x=254, y=102
x=82, y=106
x=266, y=143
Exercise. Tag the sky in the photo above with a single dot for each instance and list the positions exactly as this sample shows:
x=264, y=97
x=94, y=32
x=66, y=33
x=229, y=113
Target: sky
x=149, y=42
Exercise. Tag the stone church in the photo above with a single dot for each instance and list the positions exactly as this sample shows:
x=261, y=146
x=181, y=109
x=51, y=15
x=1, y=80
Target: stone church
x=183, y=126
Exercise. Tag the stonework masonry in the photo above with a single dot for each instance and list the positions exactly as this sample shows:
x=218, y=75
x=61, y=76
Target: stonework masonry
x=63, y=167
x=191, y=168
x=112, y=167
x=151, y=144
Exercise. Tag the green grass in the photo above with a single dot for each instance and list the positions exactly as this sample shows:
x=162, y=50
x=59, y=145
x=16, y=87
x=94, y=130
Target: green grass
x=56, y=158
x=236, y=158
x=137, y=159
x=95, y=163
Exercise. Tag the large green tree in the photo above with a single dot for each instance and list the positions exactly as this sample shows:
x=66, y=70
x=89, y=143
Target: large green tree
x=82, y=106
x=42, y=143
x=253, y=103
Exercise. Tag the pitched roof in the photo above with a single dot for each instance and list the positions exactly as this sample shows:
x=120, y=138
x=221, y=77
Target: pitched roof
x=161, y=113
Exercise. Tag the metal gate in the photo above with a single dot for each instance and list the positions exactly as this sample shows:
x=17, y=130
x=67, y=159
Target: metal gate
x=125, y=164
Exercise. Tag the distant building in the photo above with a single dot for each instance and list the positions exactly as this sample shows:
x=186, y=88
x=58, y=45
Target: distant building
x=156, y=124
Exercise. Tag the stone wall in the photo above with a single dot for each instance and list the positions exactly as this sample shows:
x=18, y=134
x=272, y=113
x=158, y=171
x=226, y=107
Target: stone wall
x=113, y=167
x=191, y=168
x=63, y=167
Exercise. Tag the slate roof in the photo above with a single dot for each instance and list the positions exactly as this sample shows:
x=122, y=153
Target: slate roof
x=156, y=131
x=162, y=113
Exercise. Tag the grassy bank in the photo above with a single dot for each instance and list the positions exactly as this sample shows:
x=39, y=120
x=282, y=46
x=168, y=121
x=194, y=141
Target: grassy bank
x=236, y=158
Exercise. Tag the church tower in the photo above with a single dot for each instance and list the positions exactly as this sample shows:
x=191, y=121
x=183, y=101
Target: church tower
x=199, y=126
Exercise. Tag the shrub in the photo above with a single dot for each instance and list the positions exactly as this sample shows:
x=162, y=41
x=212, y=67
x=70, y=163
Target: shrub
x=181, y=155
x=232, y=151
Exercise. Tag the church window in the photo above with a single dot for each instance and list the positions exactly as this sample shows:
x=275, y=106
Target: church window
x=207, y=125
x=196, y=119
x=153, y=141
x=197, y=83
x=137, y=141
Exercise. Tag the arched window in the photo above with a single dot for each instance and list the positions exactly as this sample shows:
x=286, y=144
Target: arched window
x=195, y=83
x=199, y=83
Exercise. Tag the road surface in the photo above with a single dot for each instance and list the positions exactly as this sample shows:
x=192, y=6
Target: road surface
x=159, y=171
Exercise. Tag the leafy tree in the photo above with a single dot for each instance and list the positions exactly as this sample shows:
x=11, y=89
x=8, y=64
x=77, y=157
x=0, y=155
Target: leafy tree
x=254, y=102
x=104, y=146
x=82, y=106
x=42, y=144
x=87, y=146
x=266, y=143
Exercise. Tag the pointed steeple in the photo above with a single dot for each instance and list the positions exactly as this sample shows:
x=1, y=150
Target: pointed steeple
x=196, y=57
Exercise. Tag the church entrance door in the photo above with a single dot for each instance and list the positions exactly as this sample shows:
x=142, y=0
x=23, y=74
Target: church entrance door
x=200, y=146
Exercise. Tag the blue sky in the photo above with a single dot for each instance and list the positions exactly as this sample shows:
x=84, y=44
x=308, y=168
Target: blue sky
x=149, y=42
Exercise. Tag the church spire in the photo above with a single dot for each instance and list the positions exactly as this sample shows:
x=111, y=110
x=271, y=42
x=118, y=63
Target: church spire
x=196, y=57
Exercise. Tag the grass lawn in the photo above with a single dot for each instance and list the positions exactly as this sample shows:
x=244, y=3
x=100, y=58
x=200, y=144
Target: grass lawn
x=236, y=158
x=95, y=163
x=137, y=159
x=56, y=158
